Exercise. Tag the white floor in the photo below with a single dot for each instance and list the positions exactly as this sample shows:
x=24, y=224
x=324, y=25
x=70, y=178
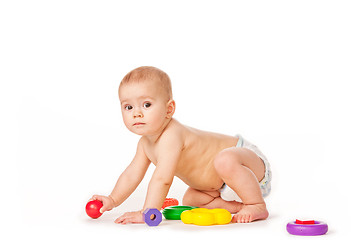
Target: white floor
x=72, y=222
x=284, y=74
x=297, y=193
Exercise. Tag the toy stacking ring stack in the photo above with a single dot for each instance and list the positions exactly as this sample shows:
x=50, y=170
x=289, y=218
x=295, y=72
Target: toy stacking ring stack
x=307, y=228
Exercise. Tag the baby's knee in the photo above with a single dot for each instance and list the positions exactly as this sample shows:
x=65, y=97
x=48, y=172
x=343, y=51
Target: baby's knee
x=225, y=161
x=188, y=198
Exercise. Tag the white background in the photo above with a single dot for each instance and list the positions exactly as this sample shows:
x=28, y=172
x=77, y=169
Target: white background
x=282, y=73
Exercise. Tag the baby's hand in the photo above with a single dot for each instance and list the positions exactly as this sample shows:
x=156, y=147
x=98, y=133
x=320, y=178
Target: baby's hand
x=108, y=203
x=130, y=217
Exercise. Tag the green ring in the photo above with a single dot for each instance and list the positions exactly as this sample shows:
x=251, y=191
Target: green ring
x=174, y=212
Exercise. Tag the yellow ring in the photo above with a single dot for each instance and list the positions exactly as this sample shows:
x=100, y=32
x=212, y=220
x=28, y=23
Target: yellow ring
x=206, y=217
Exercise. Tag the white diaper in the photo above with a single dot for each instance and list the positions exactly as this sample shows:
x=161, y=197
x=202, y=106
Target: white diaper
x=228, y=194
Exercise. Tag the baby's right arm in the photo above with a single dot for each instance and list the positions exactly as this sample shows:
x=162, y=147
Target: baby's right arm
x=108, y=202
x=128, y=180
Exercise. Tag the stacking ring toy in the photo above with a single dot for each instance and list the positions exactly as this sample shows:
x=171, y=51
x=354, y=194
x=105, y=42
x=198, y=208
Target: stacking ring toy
x=152, y=217
x=206, y=217
x=307, y=228
x=170, y=202
x=174, y=212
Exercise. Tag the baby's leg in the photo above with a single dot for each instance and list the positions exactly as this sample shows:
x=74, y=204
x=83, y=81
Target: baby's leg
x=209, y=199
x=241, y=169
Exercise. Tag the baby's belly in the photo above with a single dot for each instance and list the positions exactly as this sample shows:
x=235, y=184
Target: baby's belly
x=204, y=182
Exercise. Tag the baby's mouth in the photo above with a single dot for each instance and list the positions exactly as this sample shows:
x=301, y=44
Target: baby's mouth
x=138, y=124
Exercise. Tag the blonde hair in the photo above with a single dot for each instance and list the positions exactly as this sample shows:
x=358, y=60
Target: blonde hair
x=147, y=73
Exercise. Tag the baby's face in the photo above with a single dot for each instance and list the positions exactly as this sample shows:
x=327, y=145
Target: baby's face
x=143, y=107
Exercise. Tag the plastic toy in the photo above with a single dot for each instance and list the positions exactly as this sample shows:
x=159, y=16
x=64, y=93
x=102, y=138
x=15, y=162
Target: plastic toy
x=206, y=217
x=307, y=228
x=152, y=217
x=170, y=202
x=93, y=208
x=174, y=212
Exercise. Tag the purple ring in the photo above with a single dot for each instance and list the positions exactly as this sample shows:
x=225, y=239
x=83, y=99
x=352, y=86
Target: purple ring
x=152, y=217
x=319, y=228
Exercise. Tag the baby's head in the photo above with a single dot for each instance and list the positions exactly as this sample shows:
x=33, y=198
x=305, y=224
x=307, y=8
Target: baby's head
x=149, y=75
x=146, y=100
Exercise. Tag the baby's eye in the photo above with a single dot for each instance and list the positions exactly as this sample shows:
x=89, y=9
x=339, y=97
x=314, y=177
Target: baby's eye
x=128, y=107
x=147, y=105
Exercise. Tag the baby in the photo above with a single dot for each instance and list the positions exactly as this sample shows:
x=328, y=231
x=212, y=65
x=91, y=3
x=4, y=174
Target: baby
x=221, y=171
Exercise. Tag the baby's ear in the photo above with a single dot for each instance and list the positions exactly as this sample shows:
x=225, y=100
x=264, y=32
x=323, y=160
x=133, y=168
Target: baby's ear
x=170, y=108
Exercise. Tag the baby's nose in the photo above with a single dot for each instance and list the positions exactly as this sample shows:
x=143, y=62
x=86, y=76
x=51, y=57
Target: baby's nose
x=137, y=114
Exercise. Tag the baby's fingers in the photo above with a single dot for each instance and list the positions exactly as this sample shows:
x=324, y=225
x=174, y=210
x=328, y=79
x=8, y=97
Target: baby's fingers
x=130, y=217
x=96, y=197
x=119, y=220
x=105, y=208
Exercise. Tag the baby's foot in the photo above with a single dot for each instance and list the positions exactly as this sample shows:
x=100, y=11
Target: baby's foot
x=251, y=212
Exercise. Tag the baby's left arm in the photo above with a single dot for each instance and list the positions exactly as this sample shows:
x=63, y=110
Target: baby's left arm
x=169, y=149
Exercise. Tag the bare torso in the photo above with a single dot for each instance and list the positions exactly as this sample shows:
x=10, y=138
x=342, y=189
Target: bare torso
x=195, y=165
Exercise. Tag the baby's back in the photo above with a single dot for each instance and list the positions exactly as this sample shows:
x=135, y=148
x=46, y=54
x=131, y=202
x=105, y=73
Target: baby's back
x=195, y=165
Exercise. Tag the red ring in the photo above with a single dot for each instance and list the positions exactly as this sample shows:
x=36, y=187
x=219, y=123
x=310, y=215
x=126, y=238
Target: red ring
x=170, y=202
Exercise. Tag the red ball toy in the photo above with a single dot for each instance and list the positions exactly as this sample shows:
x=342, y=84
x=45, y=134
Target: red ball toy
x=93, y=208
